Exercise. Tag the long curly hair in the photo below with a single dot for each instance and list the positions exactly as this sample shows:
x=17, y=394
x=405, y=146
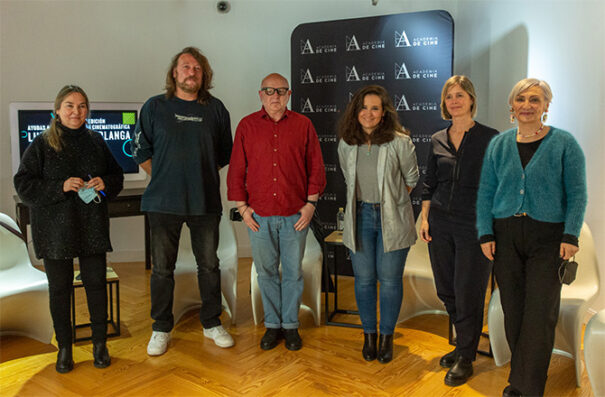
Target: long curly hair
x=349, y=129
x=53, y=133
x=203, y=94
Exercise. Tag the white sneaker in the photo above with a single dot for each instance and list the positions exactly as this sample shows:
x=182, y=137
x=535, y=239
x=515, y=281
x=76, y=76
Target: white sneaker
x=158, y=343
x=220, y=336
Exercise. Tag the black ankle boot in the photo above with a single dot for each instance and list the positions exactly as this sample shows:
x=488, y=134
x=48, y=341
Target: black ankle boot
x=65, y=362
x=369, y=346
x=510, y=391
x=449, y=359
x=460, y=372
x=101, y=355
x=385, y=348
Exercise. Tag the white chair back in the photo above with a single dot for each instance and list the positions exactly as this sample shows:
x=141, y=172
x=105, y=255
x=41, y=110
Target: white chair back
x=12, y=248
x=21, y=286
x=419, y=292
x=311, y=268
x=418, y=260
x=587, y=277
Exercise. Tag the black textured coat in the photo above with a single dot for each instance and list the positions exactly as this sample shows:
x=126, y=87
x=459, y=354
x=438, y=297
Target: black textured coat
x=63, y=226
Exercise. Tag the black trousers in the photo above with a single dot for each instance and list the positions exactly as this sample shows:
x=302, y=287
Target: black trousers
x=526, y=266
x=461, y=274
x=165, y=235
x=60, y=274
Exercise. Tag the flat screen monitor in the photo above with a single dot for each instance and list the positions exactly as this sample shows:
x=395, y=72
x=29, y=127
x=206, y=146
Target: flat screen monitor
x=115, y=121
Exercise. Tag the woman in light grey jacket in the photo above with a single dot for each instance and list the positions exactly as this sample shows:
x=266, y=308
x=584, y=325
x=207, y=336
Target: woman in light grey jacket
x=378, y=160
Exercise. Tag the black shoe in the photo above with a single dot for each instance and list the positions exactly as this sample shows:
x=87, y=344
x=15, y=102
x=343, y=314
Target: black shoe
x=101, y=355
x=460, y=372
x=385, y=348
x=293, y=341
x=65, y=362
x=510, y=391
x=449, y=359
x=271, y=338
x=369, y=346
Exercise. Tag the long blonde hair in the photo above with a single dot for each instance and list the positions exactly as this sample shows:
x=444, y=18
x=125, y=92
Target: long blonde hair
x=53, y=133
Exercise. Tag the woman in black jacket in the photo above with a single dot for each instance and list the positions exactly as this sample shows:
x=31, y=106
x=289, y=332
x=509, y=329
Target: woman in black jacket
x=448, y=222
x=66, y=177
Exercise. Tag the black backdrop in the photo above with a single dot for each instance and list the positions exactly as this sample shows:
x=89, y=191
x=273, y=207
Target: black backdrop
x=410, y=54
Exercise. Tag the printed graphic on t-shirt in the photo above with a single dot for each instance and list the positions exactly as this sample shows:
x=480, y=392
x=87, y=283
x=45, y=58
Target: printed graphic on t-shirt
x=180, y=118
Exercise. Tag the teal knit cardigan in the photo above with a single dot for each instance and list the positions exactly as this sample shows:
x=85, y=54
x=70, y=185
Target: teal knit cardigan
x=551, y=188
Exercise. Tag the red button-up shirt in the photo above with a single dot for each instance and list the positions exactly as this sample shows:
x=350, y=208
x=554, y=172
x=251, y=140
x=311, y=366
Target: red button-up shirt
x=275, y=165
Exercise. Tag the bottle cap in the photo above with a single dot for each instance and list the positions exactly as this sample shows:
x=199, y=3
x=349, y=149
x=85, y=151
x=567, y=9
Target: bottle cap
x=341, y=209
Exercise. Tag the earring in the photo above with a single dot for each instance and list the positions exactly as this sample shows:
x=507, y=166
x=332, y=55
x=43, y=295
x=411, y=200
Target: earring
x=512, y=118
x=544, y=117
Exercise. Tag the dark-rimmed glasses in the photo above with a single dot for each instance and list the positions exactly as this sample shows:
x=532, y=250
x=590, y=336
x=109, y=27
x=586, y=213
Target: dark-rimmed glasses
x=281, y=91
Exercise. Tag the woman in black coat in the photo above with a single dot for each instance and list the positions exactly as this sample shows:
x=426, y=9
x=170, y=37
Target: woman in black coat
x=66, y=177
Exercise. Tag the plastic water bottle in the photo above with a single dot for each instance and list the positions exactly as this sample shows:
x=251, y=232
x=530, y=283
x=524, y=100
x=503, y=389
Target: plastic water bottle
x=340, y=219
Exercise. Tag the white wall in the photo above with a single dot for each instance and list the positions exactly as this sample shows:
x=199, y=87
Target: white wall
x=119, y=51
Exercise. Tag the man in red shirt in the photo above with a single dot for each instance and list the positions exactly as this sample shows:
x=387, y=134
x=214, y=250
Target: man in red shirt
x=276, y=175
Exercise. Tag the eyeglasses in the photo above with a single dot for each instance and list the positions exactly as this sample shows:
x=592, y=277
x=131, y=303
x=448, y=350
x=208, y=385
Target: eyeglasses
x=281, y=91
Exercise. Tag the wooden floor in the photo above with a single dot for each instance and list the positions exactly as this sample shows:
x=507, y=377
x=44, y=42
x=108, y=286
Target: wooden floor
x=329, y=364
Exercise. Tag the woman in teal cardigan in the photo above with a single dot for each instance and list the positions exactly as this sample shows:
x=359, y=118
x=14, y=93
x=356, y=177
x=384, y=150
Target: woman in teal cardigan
x=530, y=209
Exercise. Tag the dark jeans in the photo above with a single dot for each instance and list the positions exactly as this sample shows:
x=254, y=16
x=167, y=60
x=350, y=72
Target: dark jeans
x=60, y=274
x=165, y=235
x=526, y=267
x=461, y=274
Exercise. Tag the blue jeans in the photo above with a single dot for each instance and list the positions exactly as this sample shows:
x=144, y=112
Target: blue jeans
x=165, y=236
x=275, y=241
x=371, y=264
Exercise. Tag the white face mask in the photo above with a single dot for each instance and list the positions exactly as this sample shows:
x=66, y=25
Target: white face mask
x=88, y=194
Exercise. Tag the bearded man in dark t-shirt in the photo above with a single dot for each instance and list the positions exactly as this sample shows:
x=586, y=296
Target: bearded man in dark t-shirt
x=186, y=135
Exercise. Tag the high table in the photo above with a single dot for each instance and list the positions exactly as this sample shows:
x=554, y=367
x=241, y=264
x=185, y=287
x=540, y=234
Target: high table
x=334, y=242
x=113, y=289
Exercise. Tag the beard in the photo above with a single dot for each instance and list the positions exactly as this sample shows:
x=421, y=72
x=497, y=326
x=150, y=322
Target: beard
x=191, y=88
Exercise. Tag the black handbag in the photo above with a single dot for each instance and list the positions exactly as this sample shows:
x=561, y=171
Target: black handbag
x=567, y=271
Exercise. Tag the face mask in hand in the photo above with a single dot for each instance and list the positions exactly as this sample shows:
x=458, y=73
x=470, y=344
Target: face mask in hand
x=88, y=194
